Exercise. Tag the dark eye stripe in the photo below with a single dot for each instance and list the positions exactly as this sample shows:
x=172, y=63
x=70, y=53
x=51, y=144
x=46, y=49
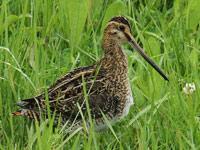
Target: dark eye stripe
x=127, y=36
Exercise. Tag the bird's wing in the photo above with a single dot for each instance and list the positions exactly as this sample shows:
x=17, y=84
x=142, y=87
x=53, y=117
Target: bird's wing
x=67, y=97
x=65, y=83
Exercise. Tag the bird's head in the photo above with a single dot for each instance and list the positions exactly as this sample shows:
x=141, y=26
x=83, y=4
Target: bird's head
x=118, y=31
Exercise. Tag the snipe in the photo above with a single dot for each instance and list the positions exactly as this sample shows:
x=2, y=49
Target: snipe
x=106, y=82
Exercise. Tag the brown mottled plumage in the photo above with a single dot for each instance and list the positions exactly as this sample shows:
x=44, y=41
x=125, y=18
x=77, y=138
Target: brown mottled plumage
x=106, y=82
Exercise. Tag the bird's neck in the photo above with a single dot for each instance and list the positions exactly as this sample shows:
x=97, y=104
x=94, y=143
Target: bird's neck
x=114, y=60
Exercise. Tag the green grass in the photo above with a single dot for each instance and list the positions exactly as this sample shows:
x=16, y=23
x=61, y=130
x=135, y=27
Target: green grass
x=42, y=40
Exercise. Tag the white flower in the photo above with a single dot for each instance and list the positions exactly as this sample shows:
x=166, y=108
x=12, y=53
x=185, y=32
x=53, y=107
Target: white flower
x=189, y=88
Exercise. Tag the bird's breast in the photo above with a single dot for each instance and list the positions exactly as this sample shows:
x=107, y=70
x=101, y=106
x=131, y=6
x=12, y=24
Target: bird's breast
x=128, y=102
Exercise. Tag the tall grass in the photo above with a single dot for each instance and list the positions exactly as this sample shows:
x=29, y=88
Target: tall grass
x=42, y=40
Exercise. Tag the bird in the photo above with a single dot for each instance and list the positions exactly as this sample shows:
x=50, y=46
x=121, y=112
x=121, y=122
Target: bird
x=106, y=82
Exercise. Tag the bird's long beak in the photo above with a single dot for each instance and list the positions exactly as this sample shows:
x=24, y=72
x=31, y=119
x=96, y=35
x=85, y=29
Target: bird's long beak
x=144, y=55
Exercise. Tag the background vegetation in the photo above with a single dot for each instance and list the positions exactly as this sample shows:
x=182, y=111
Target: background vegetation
x=41, y=40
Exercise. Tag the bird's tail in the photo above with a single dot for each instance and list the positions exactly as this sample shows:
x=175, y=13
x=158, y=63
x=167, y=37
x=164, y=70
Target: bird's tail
x=17, y=113
x=27, y=111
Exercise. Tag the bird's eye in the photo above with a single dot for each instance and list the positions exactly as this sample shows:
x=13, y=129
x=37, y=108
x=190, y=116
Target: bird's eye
x=121, y=28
